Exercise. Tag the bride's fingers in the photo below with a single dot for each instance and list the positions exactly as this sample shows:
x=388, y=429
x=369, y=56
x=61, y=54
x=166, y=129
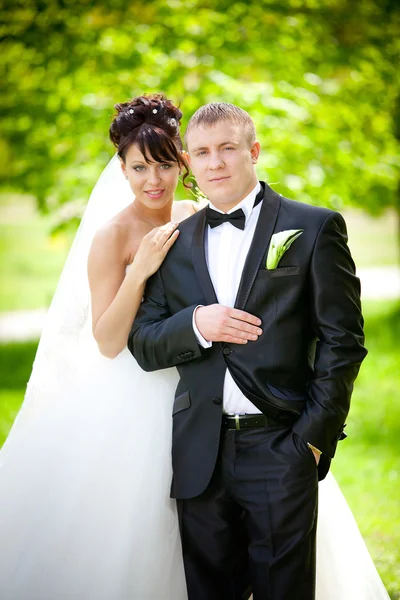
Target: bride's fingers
x=168, y=232
x=164, y=233
x=170, y=241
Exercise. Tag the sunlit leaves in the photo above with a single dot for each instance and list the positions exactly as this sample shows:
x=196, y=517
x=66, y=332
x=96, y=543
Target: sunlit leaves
x=318, y=77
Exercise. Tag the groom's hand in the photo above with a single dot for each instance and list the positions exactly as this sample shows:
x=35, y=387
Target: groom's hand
x=317, y=453
x=218, y=323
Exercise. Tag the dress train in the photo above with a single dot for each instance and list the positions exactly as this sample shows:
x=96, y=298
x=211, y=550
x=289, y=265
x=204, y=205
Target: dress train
x=345, y=570
x=85, y=511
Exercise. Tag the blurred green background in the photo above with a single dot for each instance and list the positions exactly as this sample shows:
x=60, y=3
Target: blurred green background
x=319, y=77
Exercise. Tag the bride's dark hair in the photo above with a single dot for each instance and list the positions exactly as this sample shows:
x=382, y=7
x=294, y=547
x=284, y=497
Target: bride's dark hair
x=152, y=123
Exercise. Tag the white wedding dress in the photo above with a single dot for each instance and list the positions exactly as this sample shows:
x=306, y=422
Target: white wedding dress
x=85, y=473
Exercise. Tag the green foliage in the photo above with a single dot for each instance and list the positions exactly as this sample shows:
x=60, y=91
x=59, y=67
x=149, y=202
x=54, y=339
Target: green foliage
x=318, y=76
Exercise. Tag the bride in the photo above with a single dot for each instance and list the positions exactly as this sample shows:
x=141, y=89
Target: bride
x=85, y=472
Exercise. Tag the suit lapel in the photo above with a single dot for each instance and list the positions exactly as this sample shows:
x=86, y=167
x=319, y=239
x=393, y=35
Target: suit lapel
x=199, y=259
x=262, y=237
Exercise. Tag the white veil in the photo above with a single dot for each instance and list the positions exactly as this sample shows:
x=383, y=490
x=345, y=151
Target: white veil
x=66, y=335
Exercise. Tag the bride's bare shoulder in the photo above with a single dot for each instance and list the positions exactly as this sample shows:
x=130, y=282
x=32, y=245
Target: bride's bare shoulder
x=198, y=205
x=183, y=209
x=112, y=239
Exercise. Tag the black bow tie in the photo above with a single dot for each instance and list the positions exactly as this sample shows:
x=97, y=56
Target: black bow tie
x=237, y=218
x=215, y=218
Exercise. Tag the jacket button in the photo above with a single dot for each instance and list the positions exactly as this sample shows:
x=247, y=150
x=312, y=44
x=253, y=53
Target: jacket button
x=226, y=351
x=217, y=401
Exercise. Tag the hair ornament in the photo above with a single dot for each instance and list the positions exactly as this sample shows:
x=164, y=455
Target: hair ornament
x=155, y=111
x=131, y=111
x=172, y=122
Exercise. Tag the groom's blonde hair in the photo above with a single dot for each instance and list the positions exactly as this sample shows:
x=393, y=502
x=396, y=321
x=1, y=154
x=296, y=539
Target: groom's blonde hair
x=211, y=114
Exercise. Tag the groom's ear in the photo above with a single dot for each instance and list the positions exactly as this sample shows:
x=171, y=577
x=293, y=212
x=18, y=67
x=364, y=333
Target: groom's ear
x=255, y=151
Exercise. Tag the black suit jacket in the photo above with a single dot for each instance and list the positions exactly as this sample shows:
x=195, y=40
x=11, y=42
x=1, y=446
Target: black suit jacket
x=302, y=368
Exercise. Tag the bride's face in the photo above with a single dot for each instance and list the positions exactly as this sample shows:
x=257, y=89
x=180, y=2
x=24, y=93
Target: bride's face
x=153, y=183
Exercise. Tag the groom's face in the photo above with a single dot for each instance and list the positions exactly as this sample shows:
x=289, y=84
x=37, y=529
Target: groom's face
x=223, y=162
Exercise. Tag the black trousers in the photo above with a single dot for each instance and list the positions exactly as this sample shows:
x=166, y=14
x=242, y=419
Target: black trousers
x=253, y=529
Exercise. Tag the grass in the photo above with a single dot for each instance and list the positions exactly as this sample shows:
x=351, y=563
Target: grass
x=30, y=259
x=15, y=366
x=367, y=464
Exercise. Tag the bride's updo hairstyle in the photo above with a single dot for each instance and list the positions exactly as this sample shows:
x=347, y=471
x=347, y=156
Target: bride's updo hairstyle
x=152, y=123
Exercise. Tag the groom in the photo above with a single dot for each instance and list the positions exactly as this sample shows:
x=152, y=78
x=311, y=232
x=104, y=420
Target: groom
x=267, y=359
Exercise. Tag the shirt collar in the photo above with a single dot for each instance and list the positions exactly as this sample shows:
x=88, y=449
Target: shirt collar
x=246, y=204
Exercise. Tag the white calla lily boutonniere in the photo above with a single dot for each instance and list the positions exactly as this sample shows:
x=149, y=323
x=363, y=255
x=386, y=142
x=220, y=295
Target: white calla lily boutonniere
x=280, y=243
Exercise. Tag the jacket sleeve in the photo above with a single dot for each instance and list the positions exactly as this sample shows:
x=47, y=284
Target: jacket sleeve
x=159, y=340
x=338, y=325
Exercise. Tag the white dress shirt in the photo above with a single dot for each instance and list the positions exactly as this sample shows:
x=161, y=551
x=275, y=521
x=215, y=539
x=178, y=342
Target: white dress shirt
x=226, y=249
